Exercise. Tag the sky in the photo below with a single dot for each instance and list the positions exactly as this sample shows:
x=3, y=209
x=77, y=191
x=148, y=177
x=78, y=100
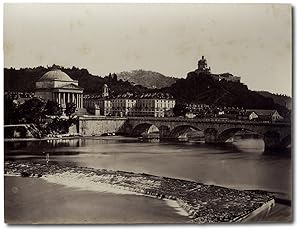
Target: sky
x=253, y=41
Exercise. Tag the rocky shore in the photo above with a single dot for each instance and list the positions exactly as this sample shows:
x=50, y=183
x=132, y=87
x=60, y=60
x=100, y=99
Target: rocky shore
x=203, y=203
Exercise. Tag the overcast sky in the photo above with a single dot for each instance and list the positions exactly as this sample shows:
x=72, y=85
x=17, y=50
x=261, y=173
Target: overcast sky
x=251, y=41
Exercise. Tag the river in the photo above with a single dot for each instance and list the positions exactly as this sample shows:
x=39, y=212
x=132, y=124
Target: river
x=224, y=165
x=240, y=166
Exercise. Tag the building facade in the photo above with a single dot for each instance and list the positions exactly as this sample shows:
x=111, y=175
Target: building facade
x=154, y=105
x=101, y=102
x=57, y=86
x=264, y=115
x=128, y=104
x=123, y=105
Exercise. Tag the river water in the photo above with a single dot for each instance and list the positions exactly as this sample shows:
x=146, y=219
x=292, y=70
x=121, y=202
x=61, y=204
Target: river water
x=226, y=165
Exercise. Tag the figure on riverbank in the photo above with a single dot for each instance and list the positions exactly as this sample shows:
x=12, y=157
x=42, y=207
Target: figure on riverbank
x=47, y=157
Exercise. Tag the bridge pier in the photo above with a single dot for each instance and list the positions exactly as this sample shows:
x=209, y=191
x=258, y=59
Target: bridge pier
x=273, y=142
x=210, y=136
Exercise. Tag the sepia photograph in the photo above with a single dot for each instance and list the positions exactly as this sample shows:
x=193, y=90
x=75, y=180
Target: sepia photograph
x=166, y=113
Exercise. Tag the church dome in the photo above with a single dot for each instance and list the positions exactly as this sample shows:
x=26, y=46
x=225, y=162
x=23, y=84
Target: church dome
x=55, y=75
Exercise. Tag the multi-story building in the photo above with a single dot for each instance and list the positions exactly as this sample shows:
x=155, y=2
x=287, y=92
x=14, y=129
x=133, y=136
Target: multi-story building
x=128, y=104
x=100, y=102
x=123, y=105
x=154, y=104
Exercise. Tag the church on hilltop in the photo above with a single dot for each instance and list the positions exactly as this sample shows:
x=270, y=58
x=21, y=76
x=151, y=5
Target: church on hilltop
x=203, y=69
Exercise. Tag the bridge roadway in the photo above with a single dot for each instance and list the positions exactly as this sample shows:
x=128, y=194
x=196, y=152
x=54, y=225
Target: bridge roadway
x=216, y=130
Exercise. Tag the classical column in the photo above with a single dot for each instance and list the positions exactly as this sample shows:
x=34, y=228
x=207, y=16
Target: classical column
x=64, y=98
x=81, y=100
x=59, y=99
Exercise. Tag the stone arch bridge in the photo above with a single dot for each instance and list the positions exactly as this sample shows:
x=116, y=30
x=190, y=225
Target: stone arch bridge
x=275, y=135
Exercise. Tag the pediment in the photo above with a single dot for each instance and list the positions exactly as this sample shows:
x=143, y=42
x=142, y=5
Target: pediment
x=71, y=86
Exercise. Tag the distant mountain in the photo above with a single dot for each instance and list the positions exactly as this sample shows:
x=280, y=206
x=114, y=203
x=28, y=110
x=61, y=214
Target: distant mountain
x=24, y=79
x=280, y=99
x=147, y=79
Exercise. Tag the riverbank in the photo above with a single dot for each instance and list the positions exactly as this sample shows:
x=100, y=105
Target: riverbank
x=203, y=203
x=40, y=139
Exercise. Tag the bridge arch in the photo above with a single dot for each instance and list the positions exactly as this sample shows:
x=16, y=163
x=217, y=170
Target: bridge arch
x=179, y=130
x=228, y=133
x=144, y=128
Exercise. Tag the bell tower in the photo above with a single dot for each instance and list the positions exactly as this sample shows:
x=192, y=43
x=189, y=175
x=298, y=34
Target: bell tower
x=105, y=91
x=202, y=65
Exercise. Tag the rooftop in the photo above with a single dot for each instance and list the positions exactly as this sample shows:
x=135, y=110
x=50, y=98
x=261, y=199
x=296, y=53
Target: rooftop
x=55, y=75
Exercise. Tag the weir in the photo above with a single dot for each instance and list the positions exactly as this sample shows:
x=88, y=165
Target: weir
x=197, y=199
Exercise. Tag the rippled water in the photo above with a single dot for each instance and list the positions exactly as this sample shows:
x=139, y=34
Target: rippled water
x=242, y=165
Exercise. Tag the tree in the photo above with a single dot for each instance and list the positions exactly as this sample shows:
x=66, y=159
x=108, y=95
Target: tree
x=10, y=111
x=70, y=109
x=53, y=108
x=179, y=110
x=32, y=111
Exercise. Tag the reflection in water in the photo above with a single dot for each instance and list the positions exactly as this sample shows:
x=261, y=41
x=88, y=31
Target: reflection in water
x=250, y=145
x=240, y=165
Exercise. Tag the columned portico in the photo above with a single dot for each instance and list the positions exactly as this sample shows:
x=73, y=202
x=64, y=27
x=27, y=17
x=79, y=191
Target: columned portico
x=57, y=86
x=62, y=97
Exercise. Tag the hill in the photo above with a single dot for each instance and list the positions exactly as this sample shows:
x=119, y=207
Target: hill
x=204, y=89
x=283, y=100
x=24, y=79
x=147, y=79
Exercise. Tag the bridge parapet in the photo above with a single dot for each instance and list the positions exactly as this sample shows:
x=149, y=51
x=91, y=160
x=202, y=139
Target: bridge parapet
x=209, y=120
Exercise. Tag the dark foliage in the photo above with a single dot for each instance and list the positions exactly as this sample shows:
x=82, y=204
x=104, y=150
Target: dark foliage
x=70, y=109
x=204, y=89
x=10, y=111
x=24, y=79
x=52, y=108
x=59, y=125
x=31, y=111
x=179, y=110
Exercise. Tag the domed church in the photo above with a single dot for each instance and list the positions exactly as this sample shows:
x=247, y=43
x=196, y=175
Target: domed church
x=57, y=86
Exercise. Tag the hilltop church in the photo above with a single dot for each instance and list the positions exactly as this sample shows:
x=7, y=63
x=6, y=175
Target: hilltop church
x=203, y=69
